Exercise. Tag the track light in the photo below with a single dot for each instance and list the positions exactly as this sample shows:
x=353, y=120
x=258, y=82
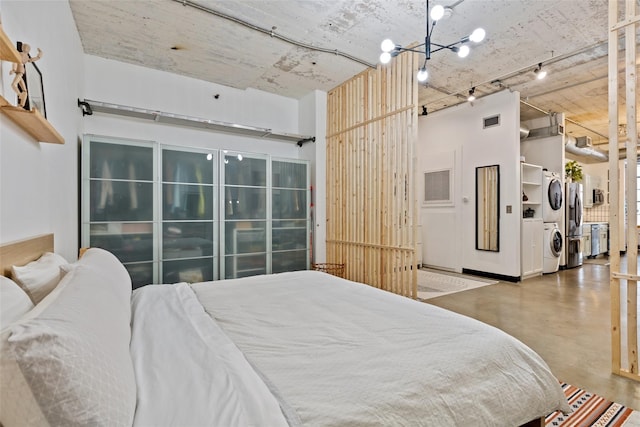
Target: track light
x=424, y=110
x=540, y=73
x=390, y=49
x=472, y=97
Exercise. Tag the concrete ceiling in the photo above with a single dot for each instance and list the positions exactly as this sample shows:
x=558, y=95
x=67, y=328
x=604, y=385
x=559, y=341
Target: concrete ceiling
x=201, y=39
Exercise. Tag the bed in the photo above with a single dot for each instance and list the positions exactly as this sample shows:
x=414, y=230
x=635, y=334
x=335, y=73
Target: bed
x=288, y=349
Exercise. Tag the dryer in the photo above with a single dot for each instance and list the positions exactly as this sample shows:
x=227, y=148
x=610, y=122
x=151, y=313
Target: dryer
x=552, y=247
x=552, y=207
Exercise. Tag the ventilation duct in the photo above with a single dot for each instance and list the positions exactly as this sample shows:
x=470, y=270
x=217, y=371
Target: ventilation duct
x=587, y=152
x=524, y=132
x=545, y=132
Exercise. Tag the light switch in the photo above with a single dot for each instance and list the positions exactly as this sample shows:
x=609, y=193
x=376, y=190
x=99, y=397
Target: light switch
x=508, y=208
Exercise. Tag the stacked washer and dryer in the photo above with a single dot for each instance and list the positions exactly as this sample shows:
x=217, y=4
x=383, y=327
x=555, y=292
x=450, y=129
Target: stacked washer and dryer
x=552, y=213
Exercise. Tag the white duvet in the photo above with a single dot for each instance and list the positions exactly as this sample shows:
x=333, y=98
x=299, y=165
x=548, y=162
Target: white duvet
x=187, y=370
x=310, y=348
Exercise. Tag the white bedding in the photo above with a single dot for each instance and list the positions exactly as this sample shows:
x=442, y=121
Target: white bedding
x=188, y=372
x=312, y=349
x=342, y=353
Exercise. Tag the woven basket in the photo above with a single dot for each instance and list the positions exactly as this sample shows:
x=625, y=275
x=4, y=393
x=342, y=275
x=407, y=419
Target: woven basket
x=331, y=268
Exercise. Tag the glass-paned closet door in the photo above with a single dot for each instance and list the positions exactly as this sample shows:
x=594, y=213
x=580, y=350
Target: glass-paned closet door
x=118, y=205
x=289, y=214
x=188, y=198
x=245, y=215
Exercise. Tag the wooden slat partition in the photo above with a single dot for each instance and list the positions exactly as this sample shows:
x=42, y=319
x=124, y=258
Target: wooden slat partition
x=372, y=129
x=624, y=294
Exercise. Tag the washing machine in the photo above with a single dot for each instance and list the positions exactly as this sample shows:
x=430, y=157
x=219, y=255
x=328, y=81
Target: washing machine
x=552, y=246
x=552, y=208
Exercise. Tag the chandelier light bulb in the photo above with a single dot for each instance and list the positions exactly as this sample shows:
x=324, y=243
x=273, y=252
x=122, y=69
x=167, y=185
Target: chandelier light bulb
x=387, y=45
x=437, y=12
x=422, y=75
x=478, y=35
x=463, y=51
x=385, y=57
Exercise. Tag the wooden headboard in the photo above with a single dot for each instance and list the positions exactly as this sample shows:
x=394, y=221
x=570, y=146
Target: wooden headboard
x=21, y=252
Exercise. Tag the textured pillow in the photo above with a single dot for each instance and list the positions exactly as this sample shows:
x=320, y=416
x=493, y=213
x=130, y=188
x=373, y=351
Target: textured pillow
x=14, y=302
x=39, y=277
x=67, y=361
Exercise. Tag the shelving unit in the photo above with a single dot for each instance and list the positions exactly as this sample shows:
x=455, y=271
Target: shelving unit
x=532, y=228
x=32, y=121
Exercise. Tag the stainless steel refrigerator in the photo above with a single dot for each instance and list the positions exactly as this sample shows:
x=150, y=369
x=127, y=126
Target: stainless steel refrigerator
x=573, y=224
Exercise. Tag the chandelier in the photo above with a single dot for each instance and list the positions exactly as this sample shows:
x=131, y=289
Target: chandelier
x=461, y=47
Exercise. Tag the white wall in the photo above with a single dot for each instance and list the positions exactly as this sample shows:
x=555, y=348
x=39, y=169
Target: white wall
x=125, y=84
x=313, y=121
x=456, y=136
x=38, y=181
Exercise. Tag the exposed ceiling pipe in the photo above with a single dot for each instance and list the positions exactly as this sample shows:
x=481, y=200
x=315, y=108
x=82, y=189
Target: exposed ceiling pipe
x=606, y=137
x=272, y=33
x=588, y=152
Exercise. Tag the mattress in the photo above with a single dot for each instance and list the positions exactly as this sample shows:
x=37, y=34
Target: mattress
x=308, y=348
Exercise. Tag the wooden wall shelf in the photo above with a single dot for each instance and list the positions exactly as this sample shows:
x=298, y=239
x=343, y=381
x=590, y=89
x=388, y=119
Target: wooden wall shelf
x=8, y=52
x=32, y=121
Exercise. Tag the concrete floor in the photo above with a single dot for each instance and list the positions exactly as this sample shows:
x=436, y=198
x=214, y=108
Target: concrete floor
x=564, y=317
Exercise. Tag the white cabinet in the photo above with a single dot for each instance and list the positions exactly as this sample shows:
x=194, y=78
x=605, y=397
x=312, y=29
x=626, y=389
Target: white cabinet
x=265, y=215
x=118, y=203
x=173, y=213
x=604, y=239
x=188, y=220
x=532, y=239
x=532, y=227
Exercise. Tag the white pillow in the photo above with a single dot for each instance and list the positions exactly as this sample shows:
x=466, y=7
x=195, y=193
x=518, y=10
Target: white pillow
x=39, y=277
x=14, y=302
x=67, y=362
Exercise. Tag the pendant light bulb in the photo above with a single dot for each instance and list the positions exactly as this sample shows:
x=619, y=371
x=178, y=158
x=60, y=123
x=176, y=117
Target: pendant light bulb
x=387, y=45
x=463, y=51
x=478, y=35
x=385, y=57
x=422, y=75
x=437, y=12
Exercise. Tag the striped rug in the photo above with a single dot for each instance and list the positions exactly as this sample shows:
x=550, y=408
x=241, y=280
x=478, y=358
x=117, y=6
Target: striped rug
x=591, y=410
